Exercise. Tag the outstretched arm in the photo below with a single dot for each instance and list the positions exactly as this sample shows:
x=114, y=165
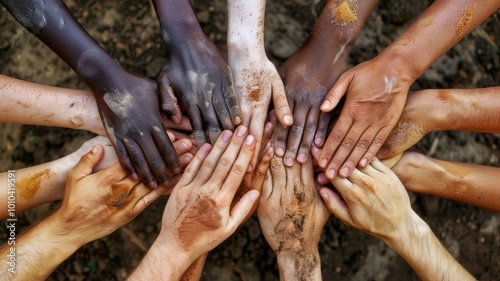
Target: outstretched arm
x=376, y=90
x=374, y=200
x=140, y=141
x=196, y=73
x=312, y=70
x=256, y=79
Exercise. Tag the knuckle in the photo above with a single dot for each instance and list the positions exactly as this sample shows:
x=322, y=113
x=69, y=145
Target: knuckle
x=305, y=146
x=348, y=143
x=297, y=129
x=138, y=160
x=238, y=169
x=336, y=137
x=168, y=149
x=225, y=163
x=378, y=142
x=363, y=144
x=156, y=163
x=310, y=127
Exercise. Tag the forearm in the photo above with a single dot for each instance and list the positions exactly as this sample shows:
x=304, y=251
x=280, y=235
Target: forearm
x=48, y=106
x=416, y=244
x=36, y=185
x=195, y=269
x=299, y=265
x=178, y=21
x=441, y=26
x=476, y=185
x=38, y=251
x=476, y=110
x=245, y=28
x=52, y=22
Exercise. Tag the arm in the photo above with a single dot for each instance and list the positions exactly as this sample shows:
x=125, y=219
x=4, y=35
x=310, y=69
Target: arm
x=137, y=134
x=374, y=200
x=93, y=206
x=196, y=72
x=376, y=90
x=255, y=77
x=292, y=216
x=313, y=69
x=54, y=106
x=198, y=215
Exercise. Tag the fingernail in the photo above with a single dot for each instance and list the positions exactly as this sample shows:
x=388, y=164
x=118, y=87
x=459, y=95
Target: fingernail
x=325, y=105
x=288, y=119
x=301, y=158
x=236, y=120
x=363, y=162
x=249, y=140
x=152, y=185
x=280, y=152
x=250, y=168
x=324, y=194
x=318, y=142
x=226, y=136
x=183, y=145
x=254, y=196
x=289, y=161
x=344, y=172
x=241, y=131
x=330, y=173
x=323, y=163
x=94, y=149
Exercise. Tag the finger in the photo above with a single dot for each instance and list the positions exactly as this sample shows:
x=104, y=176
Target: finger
x=334, y=95
x=375, y=146
x=379, y=166
x=146, y=197
x=212, y=160
x=242, y=209
x=295, y=134
x=315, y=152
x=212, y=123
x=184, y=125
x=123, y=156
x=185, y=159
x=232, y=102
x=166, y=166
x=322, y=179
x=309, y=132
x=260, y=171
x=182, y=146
x=256, y=130
x=197, y=122
x=168, y=100
x=194, y=166
x=307, y=172
x=240, y=166
x=335, y=205
x=357, y=152
x=141, y=164
x=224, y=163
x=87, y=163
x=266, y=136
x=324, y=121
x=283, y=111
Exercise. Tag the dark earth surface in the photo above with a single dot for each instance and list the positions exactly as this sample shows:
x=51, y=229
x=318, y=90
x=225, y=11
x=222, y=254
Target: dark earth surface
x=130, y=32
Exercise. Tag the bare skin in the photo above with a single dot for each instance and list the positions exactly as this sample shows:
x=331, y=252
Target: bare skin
x=376, y=90
x=44, y=105
x=312, y=70
x=292, y=215
x=425, y=111
x=93, y=206
x=142, y=146
x=375, y=201
x=198, y=215
x=196, y=73
x=255, y=77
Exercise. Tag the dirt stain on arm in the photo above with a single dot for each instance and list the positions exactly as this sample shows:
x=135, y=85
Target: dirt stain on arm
x=28, y=187
x=465, y=20
x=344, y=14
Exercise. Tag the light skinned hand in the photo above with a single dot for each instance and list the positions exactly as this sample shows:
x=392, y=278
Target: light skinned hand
x=375, y=97
x=373, y=200
x=198, y=215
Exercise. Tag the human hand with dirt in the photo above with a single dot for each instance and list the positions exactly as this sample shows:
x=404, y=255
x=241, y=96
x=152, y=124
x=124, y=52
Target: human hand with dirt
x=93, y=206
x=198, y=215
x=255, y=77
x=375, y=201
x=128, y=104
x=376, y=90
x=292, y=216
x=196, y=73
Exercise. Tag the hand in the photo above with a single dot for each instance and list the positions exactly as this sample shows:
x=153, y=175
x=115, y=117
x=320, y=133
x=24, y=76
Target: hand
x=307, y=77
x=256, y=80
x=202, y=80
x=95, y=205
x=291, y=212
x=198, y=215
x=376, y=94
x=374, y=201
x=130, y=112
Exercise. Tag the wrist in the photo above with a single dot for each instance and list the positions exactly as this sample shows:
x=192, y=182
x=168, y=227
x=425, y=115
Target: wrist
x=412, y=232
x=299, y=265
x=401, y=62
x=54, y=232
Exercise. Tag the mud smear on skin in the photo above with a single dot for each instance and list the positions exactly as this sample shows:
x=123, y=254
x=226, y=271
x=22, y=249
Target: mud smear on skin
x=465, y=20
x=76, y=121
x=29, y=186
x=344, y=14
x=120, y=195
x=203, y=216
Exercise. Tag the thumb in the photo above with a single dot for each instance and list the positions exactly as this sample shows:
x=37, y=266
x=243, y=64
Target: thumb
x=87, y=163
x=334, y=95
x=168, y=100
x=335, y=205
x=242, y=209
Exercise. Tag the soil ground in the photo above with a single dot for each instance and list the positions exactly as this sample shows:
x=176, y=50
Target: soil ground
x=130, y=32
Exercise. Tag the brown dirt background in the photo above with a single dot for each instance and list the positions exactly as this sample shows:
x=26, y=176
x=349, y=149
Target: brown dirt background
x=130, y=32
